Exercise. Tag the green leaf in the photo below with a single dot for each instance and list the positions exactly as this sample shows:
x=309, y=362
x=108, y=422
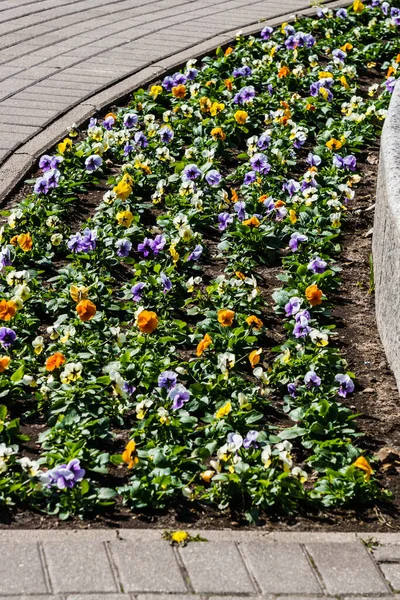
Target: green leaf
x=18, y=375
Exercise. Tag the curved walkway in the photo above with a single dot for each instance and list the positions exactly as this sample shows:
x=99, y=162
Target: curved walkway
x=57, y=55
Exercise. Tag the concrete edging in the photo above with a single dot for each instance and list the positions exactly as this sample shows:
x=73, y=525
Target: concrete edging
x=21, y=161
x=386, y=237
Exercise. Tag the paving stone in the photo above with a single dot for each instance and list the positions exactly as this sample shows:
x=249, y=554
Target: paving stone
x=21, y=570
x=35, y=597
x=347, y=568
x=216, y=568
x=387, y=553
x=79, y=567
x=150, y=567
x=269, y=563
x=97, y=597
x=391, y=572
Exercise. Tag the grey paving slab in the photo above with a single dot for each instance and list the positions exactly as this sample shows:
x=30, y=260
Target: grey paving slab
x=269, y=563
x=387, y=553
x=216, y=568
x=97, y=597
x=79, y=567
x=21, y=570
x=391, y=572
x=347, y=568
x=150, y=567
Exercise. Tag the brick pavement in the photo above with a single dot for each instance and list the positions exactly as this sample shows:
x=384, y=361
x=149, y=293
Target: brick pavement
x=139, y=565
x=54, y=55
x=63, y=60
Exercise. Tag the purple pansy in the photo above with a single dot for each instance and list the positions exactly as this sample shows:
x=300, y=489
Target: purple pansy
x=5, y=258
x=179, y=396
x=108, y=122
x=66, y=476
x=136, y=291
x=293, y=306
x=83, y=242
x=346, y=384
x=166, y=135
x=167, y=380
x=191, y=172
x=295, y=239
x=259, y=162
x=267, y=32
x=196, y=253
x=7, y=336
x=128, y=388
x=311, y=379
x=167, y=283
x=313, y=159
x=264, y=141
x=301, y=328
x=251, y=439
x=224, y=219
x=158, y=243
x=317, y=265
x=41, y=186
x=130, y=120
x=93, y=162
x=249, y=177
x=213, y=177
x=240, y=210
x=123, y=247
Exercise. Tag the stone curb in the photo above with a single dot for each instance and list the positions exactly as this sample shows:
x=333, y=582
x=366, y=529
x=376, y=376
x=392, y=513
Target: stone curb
x=211, y=535
x=386, y=237
x=23, y=158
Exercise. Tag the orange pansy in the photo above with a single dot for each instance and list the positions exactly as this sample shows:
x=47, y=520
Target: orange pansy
x=7, y=310
x=252, y=223
x=147, y=321
x=255, y=322
x=314, y=295
x=179, y=91
x=254, y=357
x=129, y=455
x=55, y=361
x=86, y=310
x=203, y=344
x=225, y=317
x=4, y=362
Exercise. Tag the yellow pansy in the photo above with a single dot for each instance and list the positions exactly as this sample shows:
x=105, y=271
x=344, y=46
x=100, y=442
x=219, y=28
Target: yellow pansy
x=155, y=90
x=64, y=146
x=124, y=218
x=358, y=6
x=216, y=108
x=78, y=292
x=363, y=464
x=241, y=117
x=224, y=410
x=173, y=253
x=292, y=216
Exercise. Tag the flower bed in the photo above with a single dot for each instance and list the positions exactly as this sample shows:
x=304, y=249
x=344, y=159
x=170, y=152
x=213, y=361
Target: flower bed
x=141, y=343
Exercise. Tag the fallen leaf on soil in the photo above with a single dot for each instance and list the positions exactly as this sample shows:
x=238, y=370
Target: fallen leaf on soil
x=368, y=391
x=372, y=159
x=388, y=455
x=369, y=232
